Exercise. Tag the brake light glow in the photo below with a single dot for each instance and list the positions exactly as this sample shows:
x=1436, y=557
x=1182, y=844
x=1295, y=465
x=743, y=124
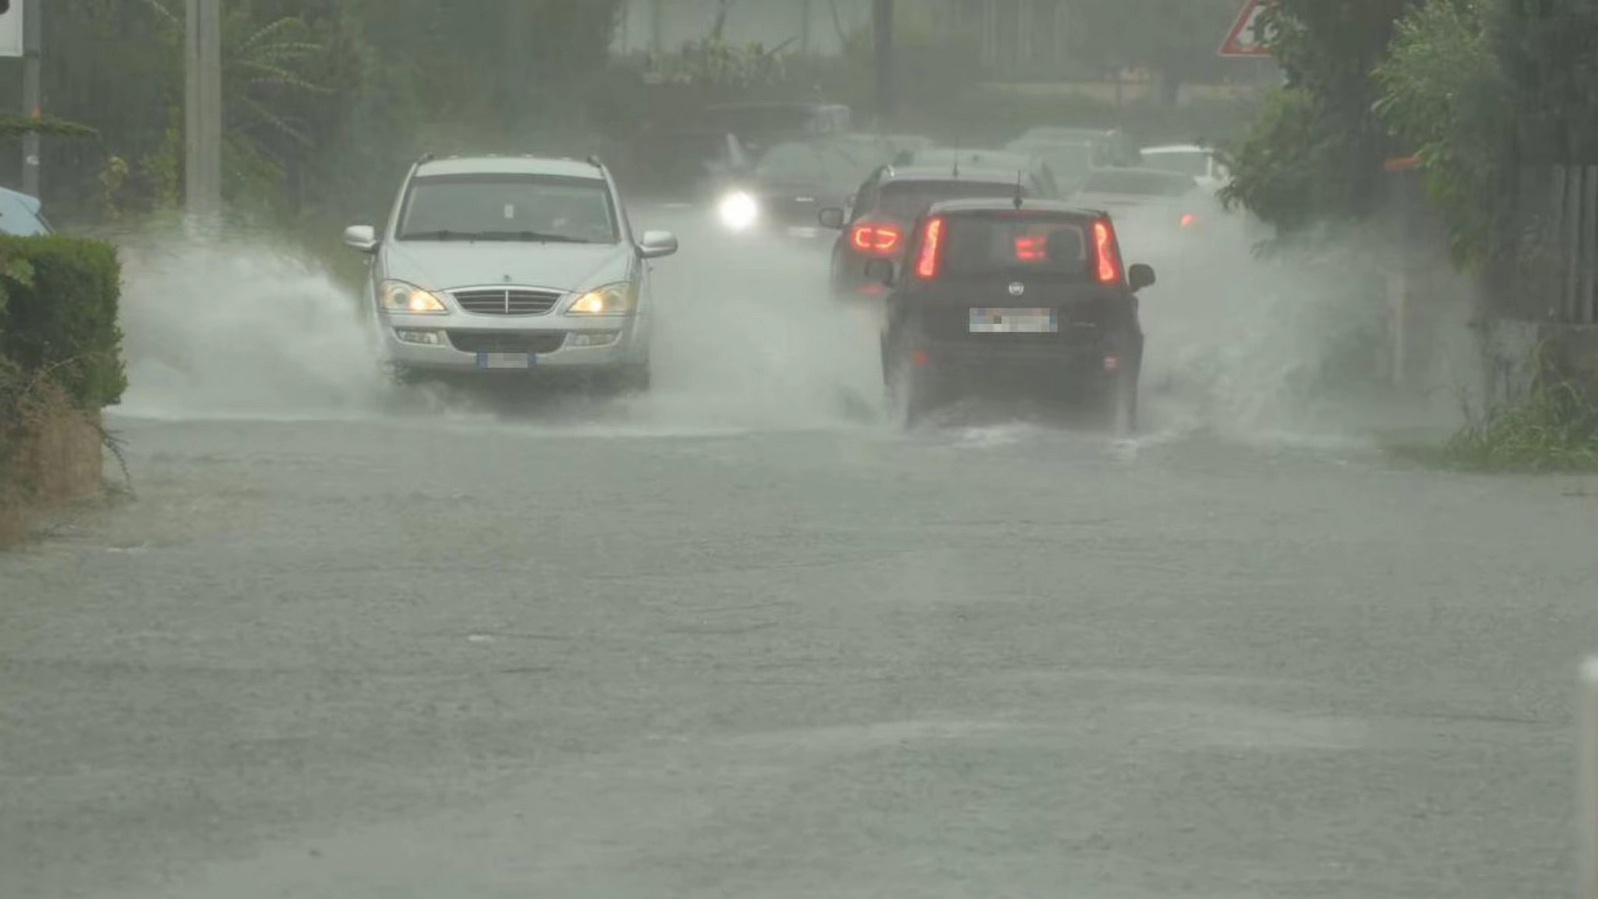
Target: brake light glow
x=1030, y=248
x=931, y=249
x=1109, y=261
x=876, y=238
x=1188, y=219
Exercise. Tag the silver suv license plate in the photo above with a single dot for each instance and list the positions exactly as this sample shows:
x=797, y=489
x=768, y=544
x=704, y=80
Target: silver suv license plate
x=498, y=361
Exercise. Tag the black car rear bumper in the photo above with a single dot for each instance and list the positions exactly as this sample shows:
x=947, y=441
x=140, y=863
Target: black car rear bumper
x=1003, y=363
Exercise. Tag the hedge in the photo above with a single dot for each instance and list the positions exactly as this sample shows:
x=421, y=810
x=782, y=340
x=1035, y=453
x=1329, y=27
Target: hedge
x=58, y=315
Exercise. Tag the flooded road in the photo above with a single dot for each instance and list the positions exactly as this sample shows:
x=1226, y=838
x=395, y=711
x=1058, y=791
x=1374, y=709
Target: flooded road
x=741, y=638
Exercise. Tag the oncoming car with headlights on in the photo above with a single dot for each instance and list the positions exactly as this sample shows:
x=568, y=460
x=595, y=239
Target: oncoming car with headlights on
x=1019, y=297
x=792, y=181
x=494, y=265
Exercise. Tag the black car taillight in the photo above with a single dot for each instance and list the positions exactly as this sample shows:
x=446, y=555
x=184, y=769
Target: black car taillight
x=931, y=249
x=876, y=238
x=1106, y=253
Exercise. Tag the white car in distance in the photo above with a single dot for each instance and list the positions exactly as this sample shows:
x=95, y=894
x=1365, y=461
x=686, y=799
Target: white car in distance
x=1188, y=159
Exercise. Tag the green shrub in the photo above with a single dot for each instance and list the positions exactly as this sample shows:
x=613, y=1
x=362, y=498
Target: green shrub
x=1555, y=428
x=58, y=315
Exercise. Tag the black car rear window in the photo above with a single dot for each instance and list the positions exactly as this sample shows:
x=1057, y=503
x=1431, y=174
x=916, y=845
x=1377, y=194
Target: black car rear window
x=991, y=243
x=907, y=200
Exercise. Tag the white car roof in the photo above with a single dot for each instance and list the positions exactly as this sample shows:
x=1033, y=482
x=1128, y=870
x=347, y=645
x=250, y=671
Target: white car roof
x=509, y=165
x=1179, y=148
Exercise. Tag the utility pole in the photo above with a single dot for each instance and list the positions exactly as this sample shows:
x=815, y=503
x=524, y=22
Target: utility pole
x=882, y=32
x=32, y=91
x=202, y=132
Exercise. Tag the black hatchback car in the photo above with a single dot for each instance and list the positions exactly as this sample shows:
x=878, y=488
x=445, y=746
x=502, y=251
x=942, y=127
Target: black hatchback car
x=1016, y=296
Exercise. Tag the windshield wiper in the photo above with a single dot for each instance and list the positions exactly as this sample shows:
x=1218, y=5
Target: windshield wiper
x=431, y=235
x=532, y=236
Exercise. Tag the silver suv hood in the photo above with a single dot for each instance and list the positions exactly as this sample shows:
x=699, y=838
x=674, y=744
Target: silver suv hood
x=556, y=266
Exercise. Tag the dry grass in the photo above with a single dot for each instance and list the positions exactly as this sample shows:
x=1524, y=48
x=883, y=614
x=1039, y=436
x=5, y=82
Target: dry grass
x=50, y=455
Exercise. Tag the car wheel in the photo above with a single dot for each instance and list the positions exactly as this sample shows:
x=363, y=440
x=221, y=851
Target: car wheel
x=404, y=376
x=910, y=392
x=631, y=379
x=1119, y=403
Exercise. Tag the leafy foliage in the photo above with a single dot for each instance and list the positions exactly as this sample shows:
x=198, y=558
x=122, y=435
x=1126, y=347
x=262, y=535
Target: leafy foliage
x=713, y=62
x=1317, y=154
x=325, y=100
x=1285, y=169
x=12, y=125
x=60, y=315
x=1444, y=93
x=1554, y=429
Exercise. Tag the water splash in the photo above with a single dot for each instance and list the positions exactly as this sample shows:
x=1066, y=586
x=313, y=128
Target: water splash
x=236, y=326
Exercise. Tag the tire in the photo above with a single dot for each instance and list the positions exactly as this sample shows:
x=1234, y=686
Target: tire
x=910, y=393
x=628, y=380
x=404, y=376
x=1118, y=404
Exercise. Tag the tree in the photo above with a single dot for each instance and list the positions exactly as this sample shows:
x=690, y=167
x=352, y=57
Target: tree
x=326, y=100
x=1318, y=153
x=1548, y=52
x=1445, y=95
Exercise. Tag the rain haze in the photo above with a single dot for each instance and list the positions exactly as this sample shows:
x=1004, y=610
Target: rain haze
x=797, y=448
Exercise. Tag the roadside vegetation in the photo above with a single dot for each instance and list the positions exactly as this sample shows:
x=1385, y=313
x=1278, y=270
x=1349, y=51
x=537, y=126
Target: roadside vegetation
x=1477, y=92
x=327, y=103
x=1554, y=429
x=60, y=363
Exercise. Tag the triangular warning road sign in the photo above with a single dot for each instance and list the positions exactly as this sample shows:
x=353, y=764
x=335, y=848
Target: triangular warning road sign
x=1247, y=37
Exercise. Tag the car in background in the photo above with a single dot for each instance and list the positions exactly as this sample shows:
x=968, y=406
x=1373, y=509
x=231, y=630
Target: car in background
x=760, y=124
x=876, y=223
x=689, y=167
x=789, y=185
x=1188, y=159
x=956, y=159
x=22, y=215
x=1111, y=146
x=1069, y=161
x=493, y=265
x=1027, y=297
x=1150, y=202
x=693, y=165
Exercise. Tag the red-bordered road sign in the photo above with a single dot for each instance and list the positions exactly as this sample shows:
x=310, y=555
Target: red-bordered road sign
x=1247, y=37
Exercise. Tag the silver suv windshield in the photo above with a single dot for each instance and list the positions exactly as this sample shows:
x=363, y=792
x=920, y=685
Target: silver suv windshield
x=509, y=206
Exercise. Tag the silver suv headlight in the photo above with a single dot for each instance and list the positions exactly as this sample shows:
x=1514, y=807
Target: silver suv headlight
x=398, y=296
x=620, y=298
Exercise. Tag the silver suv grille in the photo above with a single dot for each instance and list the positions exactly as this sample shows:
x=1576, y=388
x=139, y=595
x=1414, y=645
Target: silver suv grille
x=506, y=300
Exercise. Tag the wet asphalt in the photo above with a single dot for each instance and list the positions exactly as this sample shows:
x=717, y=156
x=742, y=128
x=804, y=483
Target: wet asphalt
x=743, y=638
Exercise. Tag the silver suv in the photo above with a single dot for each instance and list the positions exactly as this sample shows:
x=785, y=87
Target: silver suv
x=511, y=264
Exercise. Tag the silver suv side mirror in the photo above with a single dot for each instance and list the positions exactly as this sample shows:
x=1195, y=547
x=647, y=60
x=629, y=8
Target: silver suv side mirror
x=656, y=244
x=361, y=237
